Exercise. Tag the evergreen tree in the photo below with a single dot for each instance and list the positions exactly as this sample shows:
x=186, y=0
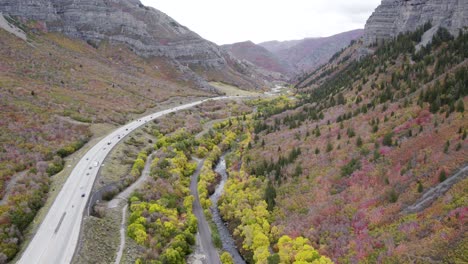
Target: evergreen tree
x=359, y=141
x=270, y=196
x=388, y=140
x=329, y=147
x=460, y=106
x=442, y=176
x=420, y=187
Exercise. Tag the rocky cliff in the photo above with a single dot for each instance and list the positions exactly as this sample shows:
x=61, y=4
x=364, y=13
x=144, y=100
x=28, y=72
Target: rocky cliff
x=396, y=16
x=147, y=31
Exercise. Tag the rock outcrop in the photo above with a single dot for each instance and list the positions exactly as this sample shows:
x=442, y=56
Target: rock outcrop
x=397, y=16
x=147, y=31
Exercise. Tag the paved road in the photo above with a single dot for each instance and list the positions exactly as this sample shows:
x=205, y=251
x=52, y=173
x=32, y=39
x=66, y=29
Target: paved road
x=57, y=237
x=207, y=247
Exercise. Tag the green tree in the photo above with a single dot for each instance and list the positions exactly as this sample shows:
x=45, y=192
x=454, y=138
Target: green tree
x=340, y=99
x=442, y=176
x=388, y=139
x=270, y=196
x=329, y=147
x=349, y=168
x=447, y=146
x=393, y=196
x=460, y=106
x=359, y=142
x=298, y=170
x=420, y=187
x=274, y=259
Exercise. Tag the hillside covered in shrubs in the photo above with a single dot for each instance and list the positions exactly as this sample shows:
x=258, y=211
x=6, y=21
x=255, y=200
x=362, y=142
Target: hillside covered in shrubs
x=366, y=139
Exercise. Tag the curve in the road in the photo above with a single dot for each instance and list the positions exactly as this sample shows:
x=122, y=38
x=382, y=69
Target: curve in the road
x=48, y=246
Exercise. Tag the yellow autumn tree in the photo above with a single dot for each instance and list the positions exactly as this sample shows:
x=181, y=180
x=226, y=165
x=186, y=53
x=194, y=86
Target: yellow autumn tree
x=226, y=258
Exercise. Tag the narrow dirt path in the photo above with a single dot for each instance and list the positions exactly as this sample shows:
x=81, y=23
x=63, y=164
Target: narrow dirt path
x=123, y=196
x=9, y=186
x=432, y=194
x=207, y=247
x=122, y=235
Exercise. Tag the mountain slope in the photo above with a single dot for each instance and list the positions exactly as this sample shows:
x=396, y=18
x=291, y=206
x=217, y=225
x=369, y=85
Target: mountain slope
x=70, y=71
x=368, y=141
x=257, y=55
x=147, y=31
x=307, y=54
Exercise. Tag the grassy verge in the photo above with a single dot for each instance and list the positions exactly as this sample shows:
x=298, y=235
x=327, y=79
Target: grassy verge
x=230, y=90
x=120, y=160
x=101, y=238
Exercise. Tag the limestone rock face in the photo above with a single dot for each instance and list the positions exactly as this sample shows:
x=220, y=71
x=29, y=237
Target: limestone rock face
x=146, y=30
x=397, y=16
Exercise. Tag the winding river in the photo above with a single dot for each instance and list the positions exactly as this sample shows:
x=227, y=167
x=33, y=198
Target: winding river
x=228, y=242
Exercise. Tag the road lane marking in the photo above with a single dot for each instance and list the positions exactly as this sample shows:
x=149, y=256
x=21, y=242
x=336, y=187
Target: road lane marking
x=60, y=223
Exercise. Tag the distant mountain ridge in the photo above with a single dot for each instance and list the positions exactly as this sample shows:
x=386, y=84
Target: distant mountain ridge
x=294, y=56
x=275, y=45
x=257, y=55
x=307, y=54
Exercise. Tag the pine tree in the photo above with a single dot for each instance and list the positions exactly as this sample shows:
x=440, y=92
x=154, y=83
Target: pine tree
x=460, y=106
x=447, y=146
x=420, y=187
x=388, y=140
x=270, y=196
x=359, y=142
x=442, y=176
x=329, y=147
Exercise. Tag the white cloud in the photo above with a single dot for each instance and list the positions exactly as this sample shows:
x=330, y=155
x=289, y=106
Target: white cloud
x=228, y=21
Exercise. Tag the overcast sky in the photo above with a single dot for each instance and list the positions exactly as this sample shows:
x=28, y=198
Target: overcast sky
x=229, y=21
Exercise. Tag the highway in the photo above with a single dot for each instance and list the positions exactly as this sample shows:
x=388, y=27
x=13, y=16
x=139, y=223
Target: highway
x=57, y=237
